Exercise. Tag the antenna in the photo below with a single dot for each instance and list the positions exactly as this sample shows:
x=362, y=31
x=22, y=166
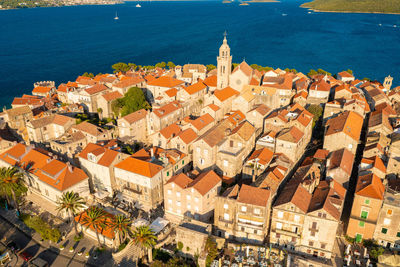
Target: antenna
x=225, y=34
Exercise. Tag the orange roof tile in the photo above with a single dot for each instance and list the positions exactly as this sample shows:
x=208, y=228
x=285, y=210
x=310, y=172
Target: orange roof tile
x=187, y=136
x=171, y=92
x=211, y=81
x=170, y=131
x=41, y=89
x=264, y=156
x=245, y=68
x=110, y=96
x=140, y=167
x=135, y=116
x=194, y=88
x=202, y=121
x=214, y=107
x=181, y=180
x=253, y=195
x=167, y=109
x=370, y=185
x=165, y=81
x=347, y=122
x=225, y=93
x=205, y=182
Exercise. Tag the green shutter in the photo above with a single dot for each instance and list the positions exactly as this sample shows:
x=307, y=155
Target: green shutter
x=367, y=201
x=364, y=214
x=398, y=234
x=183, y=162
x=358, y=238
x=383, y=230
x=361, y=223
x=167, y=173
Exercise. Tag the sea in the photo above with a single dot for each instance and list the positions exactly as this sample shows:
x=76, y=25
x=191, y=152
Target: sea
x=61, y=43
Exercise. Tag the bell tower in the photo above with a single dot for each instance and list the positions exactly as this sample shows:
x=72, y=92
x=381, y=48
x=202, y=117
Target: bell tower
x=388, y=83
x=224, y=64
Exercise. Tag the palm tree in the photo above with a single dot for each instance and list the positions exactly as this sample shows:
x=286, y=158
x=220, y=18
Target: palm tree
x=72, y=203
x=145, y=238
x=12, y=184
x=96, y=218
x=121, y=226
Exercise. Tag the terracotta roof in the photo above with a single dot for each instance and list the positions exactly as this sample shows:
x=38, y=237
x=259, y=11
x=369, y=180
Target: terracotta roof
x=245, y=68
x=171, y=92
x=347, y=122
x=202, y=121
x=205, y=182
x=236, y=117
x=194, y=88
x=47, y=120
x=85, y=80
x=293, y=134
x=41, y=89
x=167, y=109
x=165, y=81
x=89, y=128
x=261, y=109
x=321, y=154
x=345, y=74
x=129, y=82
x=188, y=135
x=13, y=112
x=225, y=93
x=107, y=231
x=135, y=116
x=253, y=195
x=320, y=85
x=214, y=107
x=58, y=175
x=181, y=180
x=170, y=131
x=140, y=167
x=107, y=155
x=296, y=194
x=341, y=158
x=245, y=130
x=97, y=88
x=264, y=156
x=370, y=185
x=112, y=95
x=211, y=81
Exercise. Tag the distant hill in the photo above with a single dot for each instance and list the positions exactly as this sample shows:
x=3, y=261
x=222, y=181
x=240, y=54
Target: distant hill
x=367, y=6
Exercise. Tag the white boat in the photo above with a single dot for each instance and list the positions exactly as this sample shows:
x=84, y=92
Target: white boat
x=380, y=24
x=116, y=16
x=395, y=25
x=138, y=5
x=309, y=12
x=284, y=14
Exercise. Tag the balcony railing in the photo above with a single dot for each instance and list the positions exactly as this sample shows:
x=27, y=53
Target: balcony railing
x=286, y=232
x=222, y=219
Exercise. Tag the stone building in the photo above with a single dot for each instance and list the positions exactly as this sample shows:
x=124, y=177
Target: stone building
x=224, y=65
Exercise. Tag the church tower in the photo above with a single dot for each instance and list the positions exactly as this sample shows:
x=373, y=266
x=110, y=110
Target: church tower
x=224, y=65
x=388, y=83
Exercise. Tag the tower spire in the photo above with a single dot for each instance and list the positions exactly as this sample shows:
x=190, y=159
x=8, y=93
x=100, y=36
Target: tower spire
x=225, y=34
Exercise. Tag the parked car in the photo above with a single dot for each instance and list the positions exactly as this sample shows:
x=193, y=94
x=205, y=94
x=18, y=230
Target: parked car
x=38, y=262
x=13, y=246
x=25, y=256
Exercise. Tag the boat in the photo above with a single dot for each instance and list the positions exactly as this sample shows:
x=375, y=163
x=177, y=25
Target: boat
x=243, y=4
x=227, y=2
x=116, y=16
x=380, y=24
x=284, y=14
x=394, y=25
x=309, y=12
x=138, y=5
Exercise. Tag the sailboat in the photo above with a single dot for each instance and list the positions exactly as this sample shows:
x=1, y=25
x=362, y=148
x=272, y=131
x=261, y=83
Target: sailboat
x=116, y=16
x=138, y=5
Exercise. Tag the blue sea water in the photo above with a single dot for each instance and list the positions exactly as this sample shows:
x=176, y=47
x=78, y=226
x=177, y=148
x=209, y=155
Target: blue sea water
x=61, y=43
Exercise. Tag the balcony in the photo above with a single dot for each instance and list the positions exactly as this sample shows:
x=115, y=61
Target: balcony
x=286, y=232
x=133, y=191
x=222, y=219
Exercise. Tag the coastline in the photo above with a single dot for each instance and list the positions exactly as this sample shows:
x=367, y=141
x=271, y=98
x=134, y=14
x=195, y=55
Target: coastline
x=86, y=4
x=262, y=1
x=347, y=12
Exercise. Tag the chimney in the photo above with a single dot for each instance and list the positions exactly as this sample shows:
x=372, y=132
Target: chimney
x=152, y=152
x=70, y=168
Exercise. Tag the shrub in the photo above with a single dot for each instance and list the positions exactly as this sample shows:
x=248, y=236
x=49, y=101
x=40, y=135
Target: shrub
x=179, y=245
x=41, y=227
x=123, y=245
x=78, y=237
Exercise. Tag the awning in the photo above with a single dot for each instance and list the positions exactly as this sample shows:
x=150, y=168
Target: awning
x=159, y=224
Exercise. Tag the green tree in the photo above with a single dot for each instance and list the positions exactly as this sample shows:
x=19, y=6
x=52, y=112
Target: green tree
x=95, y=218
x=71, y=203
x=234, y=65
x=212, y=251
x=171, y=65
x=161, y=65
x=89, y=75
x=144, y=237
x=312, y=72
x=120, y=224
x=316, y=110
x=321, y=71
x=350, y=71
x=12, y=184
x=100, y=113
x=210, y=67
x=132, y=66
x=132, y=101
x=120, y=67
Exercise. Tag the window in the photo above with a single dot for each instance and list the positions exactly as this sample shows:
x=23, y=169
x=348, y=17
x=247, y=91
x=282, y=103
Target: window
x=167, y=173
x=366, y=202
x=384, y=230
x=231, y=143
x=296, y=218
x=361, y=223
x=178, y=203
x=196, y=209
x=188, y=206
x=201, y=161
x=294, y=239
x=244, y=208
x=169, y=192
x=198, y=149
x=364, y=214
x=225, y=163
x=398, y=234
x=386, y=221
x=278, y=225
x=188, y=197
x=178, y=211
x=277, y=235
x=255, y=231
x=350, y=146
x=323, y=245
x=226, y=206
x=183, y=162
x=169, y=201
x=311, y=243
x=314, y=225
x=178, y=194
x=239, y=144
x=226, y=216
x=205, y=152
x=280, y=214
x=389, y=212
x=196, y=199
x=257, y=211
